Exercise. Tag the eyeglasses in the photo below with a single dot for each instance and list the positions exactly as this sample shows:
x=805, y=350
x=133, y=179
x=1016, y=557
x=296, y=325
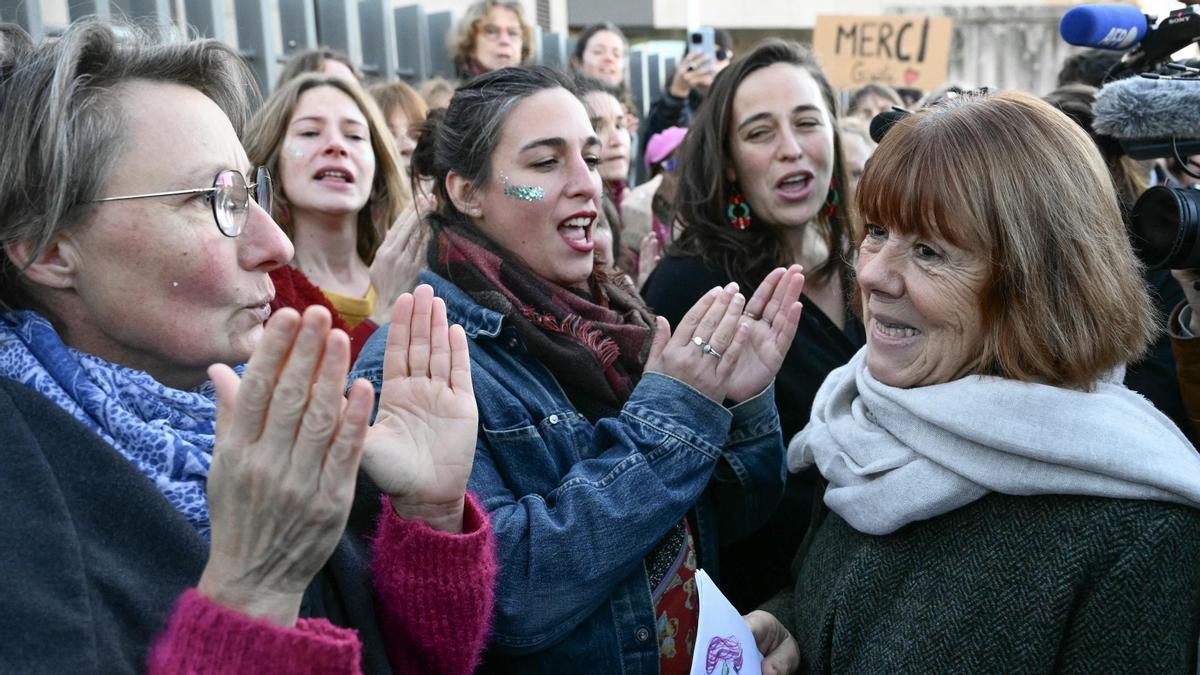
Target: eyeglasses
x=492, y=32
x=229, y=197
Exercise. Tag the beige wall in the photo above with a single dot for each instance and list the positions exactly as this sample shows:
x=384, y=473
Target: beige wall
x=796, y=13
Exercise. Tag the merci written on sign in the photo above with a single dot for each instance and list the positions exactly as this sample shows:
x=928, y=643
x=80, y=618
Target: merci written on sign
x=901, y=51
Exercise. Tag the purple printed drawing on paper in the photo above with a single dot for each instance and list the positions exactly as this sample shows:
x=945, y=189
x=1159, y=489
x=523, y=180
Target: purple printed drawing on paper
x=724, y=651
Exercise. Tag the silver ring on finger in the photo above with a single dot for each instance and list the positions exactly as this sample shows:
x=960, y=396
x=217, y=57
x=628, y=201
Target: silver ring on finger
x=752, y=315
x=708, y=349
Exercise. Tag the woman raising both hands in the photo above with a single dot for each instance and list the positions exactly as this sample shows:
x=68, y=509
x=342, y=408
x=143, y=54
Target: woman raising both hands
x=136, y=510
x=612, y=454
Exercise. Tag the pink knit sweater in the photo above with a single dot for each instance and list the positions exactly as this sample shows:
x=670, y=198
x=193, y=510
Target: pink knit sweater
x=435, y=604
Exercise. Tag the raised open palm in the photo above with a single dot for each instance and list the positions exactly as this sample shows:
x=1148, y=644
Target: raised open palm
x=421, y=447
x=774, y=312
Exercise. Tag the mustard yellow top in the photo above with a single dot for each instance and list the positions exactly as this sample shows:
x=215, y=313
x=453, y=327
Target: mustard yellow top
x=352, y=310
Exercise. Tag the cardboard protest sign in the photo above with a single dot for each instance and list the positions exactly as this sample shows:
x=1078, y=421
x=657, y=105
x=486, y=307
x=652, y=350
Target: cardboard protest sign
x=902, y=51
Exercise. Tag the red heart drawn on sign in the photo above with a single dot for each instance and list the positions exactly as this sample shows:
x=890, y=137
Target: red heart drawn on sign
x=911, y=76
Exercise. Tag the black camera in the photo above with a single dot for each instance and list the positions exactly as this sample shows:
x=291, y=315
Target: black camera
x=1164, y=228
x=1152, y=107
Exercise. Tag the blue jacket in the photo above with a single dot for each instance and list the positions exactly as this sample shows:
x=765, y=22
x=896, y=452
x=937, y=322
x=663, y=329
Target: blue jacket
x=576, y=507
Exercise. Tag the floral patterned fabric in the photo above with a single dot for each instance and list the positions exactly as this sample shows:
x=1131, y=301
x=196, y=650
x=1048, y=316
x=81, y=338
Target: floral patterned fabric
x=166, y=433
x=671, y=567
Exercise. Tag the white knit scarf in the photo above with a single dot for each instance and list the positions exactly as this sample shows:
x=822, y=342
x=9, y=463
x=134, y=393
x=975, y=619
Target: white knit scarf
x=896, y=456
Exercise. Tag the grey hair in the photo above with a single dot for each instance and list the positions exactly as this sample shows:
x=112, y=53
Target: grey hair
x=465, y=137
x=61, y=123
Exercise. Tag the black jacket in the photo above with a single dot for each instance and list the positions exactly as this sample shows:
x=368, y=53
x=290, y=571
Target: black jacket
x=93, y=558
x=758, y=566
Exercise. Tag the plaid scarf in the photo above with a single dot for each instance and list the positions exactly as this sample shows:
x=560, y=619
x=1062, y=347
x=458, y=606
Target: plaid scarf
x=594, y=344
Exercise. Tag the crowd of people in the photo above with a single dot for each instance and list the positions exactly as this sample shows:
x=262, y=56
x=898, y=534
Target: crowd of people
x=366, y=377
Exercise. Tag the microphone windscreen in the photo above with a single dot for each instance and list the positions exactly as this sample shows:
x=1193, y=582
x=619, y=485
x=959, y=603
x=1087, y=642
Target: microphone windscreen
x=1105, y=26
x=884, y=121
x=1144, y=108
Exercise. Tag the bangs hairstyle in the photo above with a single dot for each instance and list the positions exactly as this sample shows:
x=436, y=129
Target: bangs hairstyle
x=701, y=204
x=389, y=191
x=1016, y=182
x=468, y=31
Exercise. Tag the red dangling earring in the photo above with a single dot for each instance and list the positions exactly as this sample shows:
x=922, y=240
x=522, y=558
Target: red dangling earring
x=738, y=212
x=832, y=199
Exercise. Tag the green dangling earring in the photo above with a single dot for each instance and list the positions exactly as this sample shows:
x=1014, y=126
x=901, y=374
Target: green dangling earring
x=738, y=212
x=832, y=199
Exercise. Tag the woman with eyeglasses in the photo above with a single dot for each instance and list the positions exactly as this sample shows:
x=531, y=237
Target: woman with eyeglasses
x=492, y=34
x=162, y=506
x=760, y=176
x=613, y=453
x=339, y=185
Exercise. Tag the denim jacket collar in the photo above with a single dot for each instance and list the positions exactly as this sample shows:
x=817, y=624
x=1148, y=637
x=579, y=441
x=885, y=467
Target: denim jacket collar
x=462, y=309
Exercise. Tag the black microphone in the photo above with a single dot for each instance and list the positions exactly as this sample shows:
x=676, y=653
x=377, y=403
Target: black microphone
x=1151, y=117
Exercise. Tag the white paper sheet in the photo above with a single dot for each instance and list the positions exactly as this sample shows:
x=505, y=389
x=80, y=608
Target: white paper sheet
x=724, y=644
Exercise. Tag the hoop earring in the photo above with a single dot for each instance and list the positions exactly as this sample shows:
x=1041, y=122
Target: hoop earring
x=738, y=212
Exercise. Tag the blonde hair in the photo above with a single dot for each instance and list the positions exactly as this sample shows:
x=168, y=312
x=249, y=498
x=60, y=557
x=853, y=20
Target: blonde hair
x=389, y=191
x=468, y=29
x=1064, y=301
x=397, y=95
x=436, y=87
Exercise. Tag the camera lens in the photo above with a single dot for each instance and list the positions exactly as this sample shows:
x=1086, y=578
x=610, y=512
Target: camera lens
x=697, y=38
x=1163, y=228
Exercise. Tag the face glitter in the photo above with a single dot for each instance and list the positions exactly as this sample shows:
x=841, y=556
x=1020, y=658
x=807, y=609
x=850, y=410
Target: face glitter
x=526, y=193
x=292, y=151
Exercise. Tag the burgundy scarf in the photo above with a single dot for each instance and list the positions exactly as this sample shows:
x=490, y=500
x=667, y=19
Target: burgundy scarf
x=595, y=345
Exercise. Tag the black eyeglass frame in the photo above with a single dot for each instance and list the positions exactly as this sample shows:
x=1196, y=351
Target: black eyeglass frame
x=261, y=188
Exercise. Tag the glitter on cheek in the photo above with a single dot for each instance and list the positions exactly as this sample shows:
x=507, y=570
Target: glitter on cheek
x=292, y=151
x=525, y=193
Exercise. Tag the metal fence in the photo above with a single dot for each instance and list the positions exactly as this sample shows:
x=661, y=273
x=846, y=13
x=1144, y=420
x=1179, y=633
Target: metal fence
x=386, y=42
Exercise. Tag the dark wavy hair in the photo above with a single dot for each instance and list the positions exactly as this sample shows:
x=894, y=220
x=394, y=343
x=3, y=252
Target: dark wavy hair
x=747, y=256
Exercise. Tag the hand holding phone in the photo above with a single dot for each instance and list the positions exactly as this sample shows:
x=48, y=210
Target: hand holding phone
x=703, y=40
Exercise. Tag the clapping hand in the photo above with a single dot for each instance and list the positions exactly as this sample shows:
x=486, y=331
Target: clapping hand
x=422, y=445
x=774, y=312
x=400, y=257
x=706, y=345
x=287, y=452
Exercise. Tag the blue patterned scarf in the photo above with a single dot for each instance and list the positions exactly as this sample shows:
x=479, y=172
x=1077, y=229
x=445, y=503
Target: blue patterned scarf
x=167, y=434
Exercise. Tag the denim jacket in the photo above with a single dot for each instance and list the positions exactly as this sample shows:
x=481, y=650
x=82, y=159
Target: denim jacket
x=576, y=507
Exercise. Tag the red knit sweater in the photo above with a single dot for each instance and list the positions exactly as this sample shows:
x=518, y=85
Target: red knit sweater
x=293, y=289
x=435, y=604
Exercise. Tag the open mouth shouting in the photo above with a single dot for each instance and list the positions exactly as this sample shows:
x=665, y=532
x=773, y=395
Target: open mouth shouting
x=334, y=176
x=576, y=231
x=795, y=186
